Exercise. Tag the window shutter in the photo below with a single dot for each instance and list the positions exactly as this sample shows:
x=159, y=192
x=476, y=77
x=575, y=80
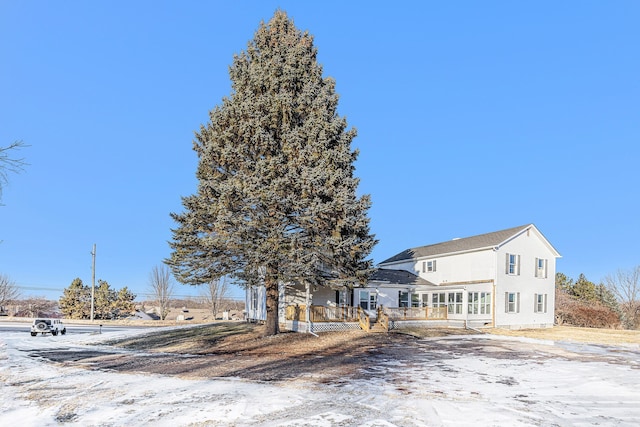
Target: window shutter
x=536, y=267
x=506, y=301
x=518, y=302
x=535, y=302
x=506, y=270
x=545, y=303
x=424, y=266
x=518, y=265
x=545, y=271
x=434, y=265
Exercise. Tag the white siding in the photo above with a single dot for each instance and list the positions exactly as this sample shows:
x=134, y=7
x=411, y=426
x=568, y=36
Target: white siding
x=256, y=303
x=529, y=246
x=466, y=267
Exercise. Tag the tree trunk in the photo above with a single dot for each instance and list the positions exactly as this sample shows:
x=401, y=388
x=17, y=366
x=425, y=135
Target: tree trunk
x=271, y=284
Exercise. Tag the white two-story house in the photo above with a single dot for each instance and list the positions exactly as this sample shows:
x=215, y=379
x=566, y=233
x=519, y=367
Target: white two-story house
x=500, y=279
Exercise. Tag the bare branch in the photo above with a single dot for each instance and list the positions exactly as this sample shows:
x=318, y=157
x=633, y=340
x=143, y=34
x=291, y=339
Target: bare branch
x=161, y=288
x=214, y=293
x=8, y=290
x=625, y=285
x=9, y=163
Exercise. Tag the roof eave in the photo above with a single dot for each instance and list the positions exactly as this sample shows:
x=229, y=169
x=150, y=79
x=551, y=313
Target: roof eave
x=404, y=260
x=546, y=242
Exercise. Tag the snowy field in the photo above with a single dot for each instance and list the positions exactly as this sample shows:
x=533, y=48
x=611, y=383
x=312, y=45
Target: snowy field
x=456, y=381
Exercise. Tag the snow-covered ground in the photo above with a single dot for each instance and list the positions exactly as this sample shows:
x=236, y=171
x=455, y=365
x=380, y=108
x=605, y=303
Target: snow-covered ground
x=456, y=381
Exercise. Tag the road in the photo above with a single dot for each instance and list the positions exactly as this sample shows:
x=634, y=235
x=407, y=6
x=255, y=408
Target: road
x=71, y=329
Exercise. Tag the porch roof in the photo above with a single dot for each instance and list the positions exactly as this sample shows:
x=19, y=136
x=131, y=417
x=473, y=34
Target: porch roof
x=397, y=277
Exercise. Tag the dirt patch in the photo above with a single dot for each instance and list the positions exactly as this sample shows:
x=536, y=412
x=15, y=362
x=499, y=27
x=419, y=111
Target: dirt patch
x=240, y=350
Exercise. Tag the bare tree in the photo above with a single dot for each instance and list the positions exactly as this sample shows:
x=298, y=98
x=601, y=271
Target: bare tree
x=625, y=285
x=8, y=163
x=161, y=287
x=35, y=307
x=214, y=293
x=8, y=291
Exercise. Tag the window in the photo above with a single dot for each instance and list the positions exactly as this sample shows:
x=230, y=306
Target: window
x=403, y=299
x=364, y=300
x=424, y=300
x=454, y=303
x=512, y=302
x=485, y=302
x=341, y=298
x=438, y=304
x=415, y=300
x=541, y=268
x=473, y=303
x=479, y=303
x=540, y=303
x=438, y=300
x=254, y=299
x=513, y=264
x=368, y=300
x=429, y=266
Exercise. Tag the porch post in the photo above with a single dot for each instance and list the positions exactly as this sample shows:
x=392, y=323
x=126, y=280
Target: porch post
x=465, y=307
x=307, y=308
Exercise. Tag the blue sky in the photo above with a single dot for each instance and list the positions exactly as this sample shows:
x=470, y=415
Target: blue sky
x=472, y=117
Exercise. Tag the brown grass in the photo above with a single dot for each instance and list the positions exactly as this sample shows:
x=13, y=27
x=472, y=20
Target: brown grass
x=570, y=333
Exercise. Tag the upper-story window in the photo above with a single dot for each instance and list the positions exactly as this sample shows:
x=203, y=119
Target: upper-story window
x=429, y=266
x=513, y=264
x=541, y=268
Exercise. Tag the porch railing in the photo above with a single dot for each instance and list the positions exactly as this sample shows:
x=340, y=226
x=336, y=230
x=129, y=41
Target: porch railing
x=321, y=313
x=383, y=319
x=416, y=313
x=363, y=319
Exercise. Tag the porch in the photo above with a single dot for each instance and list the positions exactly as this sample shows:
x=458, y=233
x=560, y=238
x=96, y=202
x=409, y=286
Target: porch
x=327, y=318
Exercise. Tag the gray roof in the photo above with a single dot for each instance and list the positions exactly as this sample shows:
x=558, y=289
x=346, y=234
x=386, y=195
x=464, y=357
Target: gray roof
x=458, y=245
x=398, y=277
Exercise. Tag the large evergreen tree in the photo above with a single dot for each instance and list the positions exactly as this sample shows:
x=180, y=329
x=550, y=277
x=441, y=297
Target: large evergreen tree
x=75, y=302
x=124, y=305
x=276, y=199
x=105, y=299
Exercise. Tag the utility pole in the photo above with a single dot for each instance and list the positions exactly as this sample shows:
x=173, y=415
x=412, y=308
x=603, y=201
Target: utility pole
x=93, y=278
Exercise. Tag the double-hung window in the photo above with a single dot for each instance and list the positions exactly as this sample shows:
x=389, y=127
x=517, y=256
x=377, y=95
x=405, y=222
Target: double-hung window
x=540, y=303
x=512, y=302
x=541, y=268
x=429, y=266
x=454, y=303
x=341, y=298
x=403, y=299
x=513, y=264
x=253, y=292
